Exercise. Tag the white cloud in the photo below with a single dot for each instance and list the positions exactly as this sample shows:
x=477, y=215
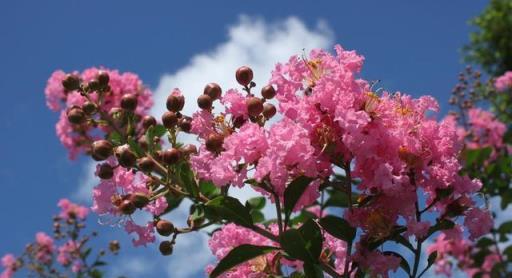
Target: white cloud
x=253, y=42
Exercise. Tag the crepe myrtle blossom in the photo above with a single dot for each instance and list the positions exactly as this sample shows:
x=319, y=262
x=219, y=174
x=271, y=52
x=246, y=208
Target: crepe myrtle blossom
x=504, y=81
x=384, y=152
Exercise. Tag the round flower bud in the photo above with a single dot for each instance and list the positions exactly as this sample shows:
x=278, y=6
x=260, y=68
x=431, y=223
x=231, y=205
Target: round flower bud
x=103, y=78
x=76, y=115
x=175, y=103
x=127, y=207
x=189, y=149
x=195, y=222
x=139, y=200
x=213, y=90
x=169, y=119
x=165, y=248
x=244, y=75
x=94, y=85
x=105, y=171
x=204, y=102
x=71, y=82
x=268, y=92
x=125, y=156
x=239, y=121
x=171, y=156
x=185, y=124
x=254, y=106
x=101, y=149
x=146, y=164
x=129, y=102
x=89, y=108
x=214, y=142
x=148, y=121
x=164, y=227
x=269, y=110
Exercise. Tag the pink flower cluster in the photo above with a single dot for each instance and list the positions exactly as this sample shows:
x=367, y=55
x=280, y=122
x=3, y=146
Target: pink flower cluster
x=504, y=82
x=123, y=184
x=9, y=263
x=231, y=236
x=452, y=248
x=72, y=210
x=77, y=138
x=485, y=130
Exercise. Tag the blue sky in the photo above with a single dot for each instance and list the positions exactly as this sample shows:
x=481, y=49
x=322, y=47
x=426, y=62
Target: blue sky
x=411, y=46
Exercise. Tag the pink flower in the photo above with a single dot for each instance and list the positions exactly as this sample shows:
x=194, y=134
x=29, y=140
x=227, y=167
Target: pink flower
x=9, y=264
x=479, y=222
x=45, y=247
x=146, y=234
x=202, y=123
x=504, y=82
x=68, y=253
x=485, y=129
x=377, y=263
x=418, y=229
x=69, y=209
x=235, y=104
x=54, y=90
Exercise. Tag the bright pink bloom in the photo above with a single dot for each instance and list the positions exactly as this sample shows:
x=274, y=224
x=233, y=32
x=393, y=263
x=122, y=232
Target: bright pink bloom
x=69, y=209
x=504, y=82
x=146, y=234
x=45, y=247
x=479, y=222
x=9, y=264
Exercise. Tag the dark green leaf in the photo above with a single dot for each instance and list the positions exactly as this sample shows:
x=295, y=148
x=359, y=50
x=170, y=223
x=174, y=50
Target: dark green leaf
x=209, y=189
x=115, y=138
x=292, y=194
x=257, y=216
x=257, y=203
x=134, y=146
x=505, y=228
x=338, y=227
x=431, y=258
x=189, y=182
x=313, y=270
x=403, y=241
x=238, y=255
x=442, y=224
x=304, y=244
x=230, y=209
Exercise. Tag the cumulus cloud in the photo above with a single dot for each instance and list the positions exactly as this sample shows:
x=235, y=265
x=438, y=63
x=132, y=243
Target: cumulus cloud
x=251, y=41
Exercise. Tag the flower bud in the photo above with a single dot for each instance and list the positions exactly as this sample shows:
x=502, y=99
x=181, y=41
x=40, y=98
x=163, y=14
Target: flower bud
x=71, y=82
x=169, y=119
x=127, y=207
x=101, y=150
x=194, y=222
x=76, y=115
x=189, y=149
x=175, y=103
x=146, y=164
x=129, y=102
x=114, y=246
x=238, y=122
x=148, y=121
x=214, y=142
x=164, y=227
x=244, y=75
x=171, y=156
x=94, y=85
x=89, y=108
x=105, y=171
x=139, y=200
x=165, y=248
x=103, y=79
x=125, y=156
x=204, y=102
x=268, y=92
x=185, y=124
x=269, y=110
x=213, y=90
x=254, y=106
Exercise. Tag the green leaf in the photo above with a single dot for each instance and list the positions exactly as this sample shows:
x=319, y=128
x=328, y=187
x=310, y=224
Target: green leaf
x=172, y=202
x=230, y=209
x=403, y=241
x=431, y=258
x=257, y=216
x=304, y=243
x=257, y=203
x=505, y=228
x=484, y=242
x=187, y=177
x=476, y=156
x=292, y=194
x=134, y=146
x=338, y=227
x=338, y=199
x=209, y=189
x=403, y=262
x=95, y=273
x=115, y=138
x=313, y=270
x=238, y=255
